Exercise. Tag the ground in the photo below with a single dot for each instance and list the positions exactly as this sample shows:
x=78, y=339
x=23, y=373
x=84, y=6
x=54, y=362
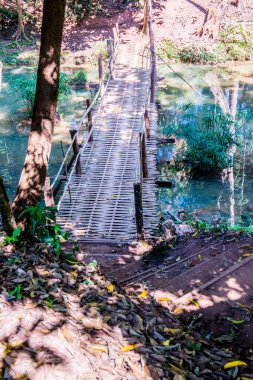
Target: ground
x=64, y=317
x=179, y=21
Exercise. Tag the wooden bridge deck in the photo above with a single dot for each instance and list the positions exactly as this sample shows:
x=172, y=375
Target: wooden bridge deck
x=101, y=205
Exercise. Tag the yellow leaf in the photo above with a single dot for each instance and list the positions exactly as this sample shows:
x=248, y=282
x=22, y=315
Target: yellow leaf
x=195, y=233
x=98, y=348
x=74, y=275
x=233, y=364
x=166, y=343
x=162, y=299
x=10, y=347
x=110, y=287
x=172, y=331
x=237, y=321
x=178, y=310
x=247, y=254
x=194, y=302
x=45, y=331
x=130, y=347
x=143, y=294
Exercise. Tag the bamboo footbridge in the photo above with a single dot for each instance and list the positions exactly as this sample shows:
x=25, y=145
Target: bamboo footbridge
x=109, y=185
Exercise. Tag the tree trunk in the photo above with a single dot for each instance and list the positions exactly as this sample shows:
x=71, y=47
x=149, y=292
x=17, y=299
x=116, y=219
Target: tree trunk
x=33, y=176
x=213, y=20
x=21, y=29
x=8, y=220
x=145, y=19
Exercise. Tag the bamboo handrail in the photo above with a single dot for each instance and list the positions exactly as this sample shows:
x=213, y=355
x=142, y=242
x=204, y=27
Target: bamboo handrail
x=84, y=116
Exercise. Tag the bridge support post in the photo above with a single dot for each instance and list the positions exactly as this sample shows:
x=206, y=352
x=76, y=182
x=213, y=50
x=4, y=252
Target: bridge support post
x=88, y=103
x=139, y=211
x=153, y=52
x=101, y=73
x=73, y=134
x=147, y=123
x=110, y=55
x=144, y=160
x=48, y=194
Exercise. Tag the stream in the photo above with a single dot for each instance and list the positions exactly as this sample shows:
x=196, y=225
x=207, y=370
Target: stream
x=212, y=198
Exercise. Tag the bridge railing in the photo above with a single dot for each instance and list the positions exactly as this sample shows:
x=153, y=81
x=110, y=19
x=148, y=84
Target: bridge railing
x=71, y=158
x=141, y=159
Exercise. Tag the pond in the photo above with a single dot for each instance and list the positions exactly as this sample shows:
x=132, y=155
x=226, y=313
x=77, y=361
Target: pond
x=226, y=198
x=14, y=129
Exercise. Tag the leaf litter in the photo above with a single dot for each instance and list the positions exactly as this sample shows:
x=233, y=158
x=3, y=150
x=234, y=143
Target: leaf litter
x=61, y=318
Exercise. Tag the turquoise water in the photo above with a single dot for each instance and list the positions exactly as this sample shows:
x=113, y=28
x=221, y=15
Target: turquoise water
x=14, y=129
x=210, y=198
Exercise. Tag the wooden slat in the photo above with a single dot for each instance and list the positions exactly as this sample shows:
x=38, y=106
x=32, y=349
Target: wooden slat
x=102, y=198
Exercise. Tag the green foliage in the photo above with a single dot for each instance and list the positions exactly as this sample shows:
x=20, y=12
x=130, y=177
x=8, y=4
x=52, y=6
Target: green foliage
x=81, y=9
x=208, y=136
x=26, y=87
x=196, y=54
x=204, y=226
x=41, y=225
x=14, y=238
x=16, y=292
x=237, y=39
x=168, y=50
x=79, y=78
x=235, y=43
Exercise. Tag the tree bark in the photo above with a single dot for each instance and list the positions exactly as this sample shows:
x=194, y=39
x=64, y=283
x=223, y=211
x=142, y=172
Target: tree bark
x=211, y=26
x=145, y=19
x=8, y=220
x=21, y=29
x=34, y=172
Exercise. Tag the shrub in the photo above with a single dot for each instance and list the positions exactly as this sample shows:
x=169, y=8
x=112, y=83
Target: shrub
x=196, y=54
x=208, y=139
x=168, y=50
x=26, y=87
x=79, y=78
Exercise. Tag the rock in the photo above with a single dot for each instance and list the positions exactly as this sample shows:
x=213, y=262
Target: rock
x=177, y=229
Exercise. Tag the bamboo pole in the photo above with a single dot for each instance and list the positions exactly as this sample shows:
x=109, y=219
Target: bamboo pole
x=147, y=123
x=88, y=103
x=153, y=52
x=144, y=160
x=73, y=134
x=139, y=211
x=101, y=73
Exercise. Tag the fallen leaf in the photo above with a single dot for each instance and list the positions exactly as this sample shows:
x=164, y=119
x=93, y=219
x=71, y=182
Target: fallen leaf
x=98, y=348
x=195, y=233
x=169, y=330
x=178, y=310
x=162, y=299
x=193, y=302
x=143, y=294
x=166, y=343
x=110, y=287
x=235, y=363
x=130, y=347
